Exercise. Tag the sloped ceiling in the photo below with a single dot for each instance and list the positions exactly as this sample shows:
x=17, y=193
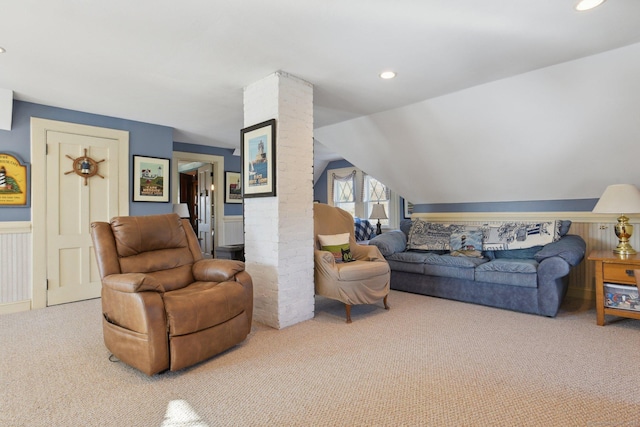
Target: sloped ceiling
x=185, y=64
x=562, y=132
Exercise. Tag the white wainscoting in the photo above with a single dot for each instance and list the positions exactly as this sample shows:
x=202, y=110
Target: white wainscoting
x=15, y=266
x=233, y=231
x=596, y=230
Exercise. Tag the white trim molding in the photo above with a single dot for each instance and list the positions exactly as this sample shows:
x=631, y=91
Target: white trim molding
x=13, y=227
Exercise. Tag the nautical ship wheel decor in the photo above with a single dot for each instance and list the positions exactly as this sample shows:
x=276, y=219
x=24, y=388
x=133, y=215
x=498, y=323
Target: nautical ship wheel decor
x=85, y=167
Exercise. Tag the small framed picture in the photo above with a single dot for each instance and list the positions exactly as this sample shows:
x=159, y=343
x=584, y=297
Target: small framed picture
x=232, y=187
x=408, y=208
x=150, y=179
x=258, y=146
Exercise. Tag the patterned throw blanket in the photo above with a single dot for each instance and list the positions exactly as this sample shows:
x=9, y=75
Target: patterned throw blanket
x=364, y=230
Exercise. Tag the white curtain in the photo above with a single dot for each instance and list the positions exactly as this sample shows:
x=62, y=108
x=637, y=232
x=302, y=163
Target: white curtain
x=343, y=189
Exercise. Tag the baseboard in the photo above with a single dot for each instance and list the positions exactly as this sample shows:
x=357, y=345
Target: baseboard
x=15, y=307
x=581, y=293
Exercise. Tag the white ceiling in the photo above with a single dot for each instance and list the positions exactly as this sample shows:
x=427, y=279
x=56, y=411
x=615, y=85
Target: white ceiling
x=184, y=64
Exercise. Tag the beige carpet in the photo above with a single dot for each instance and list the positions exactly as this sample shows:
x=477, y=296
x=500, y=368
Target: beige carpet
x=426, y=362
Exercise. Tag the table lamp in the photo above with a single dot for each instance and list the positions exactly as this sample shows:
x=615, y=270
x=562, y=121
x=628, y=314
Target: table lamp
x=378, y=213
x=620, y=199
x=181, y=209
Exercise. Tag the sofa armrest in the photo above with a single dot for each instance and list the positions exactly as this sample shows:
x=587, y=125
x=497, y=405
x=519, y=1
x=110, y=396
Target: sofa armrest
x=132, y=283
x=571, y=248
x=391, y=242
x=366, y=252
x=324, y=257
x=216, y=270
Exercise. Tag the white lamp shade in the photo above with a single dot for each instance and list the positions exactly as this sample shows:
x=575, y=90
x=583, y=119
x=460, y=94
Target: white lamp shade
x=619, y=199
x=378, y=212
x=181, y=209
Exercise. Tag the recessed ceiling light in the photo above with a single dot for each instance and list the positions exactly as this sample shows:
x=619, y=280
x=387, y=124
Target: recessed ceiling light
x=2, y=50
x=387, y=75
x=583, y=5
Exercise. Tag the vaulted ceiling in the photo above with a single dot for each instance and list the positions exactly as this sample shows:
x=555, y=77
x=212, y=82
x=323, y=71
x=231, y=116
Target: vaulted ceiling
x=184, y=64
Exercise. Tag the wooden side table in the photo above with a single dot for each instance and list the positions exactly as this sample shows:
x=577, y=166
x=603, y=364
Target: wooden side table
x=617, y=270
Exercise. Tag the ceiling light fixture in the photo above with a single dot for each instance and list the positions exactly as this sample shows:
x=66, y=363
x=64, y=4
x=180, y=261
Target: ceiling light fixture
x=387, y=75
x=2, y=50
x=583, y=5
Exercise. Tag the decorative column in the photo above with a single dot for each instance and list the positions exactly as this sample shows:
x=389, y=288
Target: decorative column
x=278, y=237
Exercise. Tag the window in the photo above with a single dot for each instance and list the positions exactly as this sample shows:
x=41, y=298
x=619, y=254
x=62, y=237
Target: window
x=375, y=192
x=357, y=192
x=344, y=192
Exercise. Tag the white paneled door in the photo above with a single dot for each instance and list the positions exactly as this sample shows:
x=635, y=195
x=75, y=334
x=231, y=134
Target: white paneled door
x=206, y=209
x=73, y=202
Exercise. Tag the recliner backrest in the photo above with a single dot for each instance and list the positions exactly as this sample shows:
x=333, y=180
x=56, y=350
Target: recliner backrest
x=156, y=245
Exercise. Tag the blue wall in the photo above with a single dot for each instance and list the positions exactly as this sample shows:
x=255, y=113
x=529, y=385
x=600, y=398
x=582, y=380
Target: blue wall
x=573, y=205
x=231, y=164
x=144, y=139
x=157, y=141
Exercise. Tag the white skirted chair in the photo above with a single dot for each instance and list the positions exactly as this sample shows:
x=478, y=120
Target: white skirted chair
x=344, y=270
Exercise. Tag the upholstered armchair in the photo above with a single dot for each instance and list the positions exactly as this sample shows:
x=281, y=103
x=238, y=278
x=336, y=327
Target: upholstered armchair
x=344, y=270
x=163, y=305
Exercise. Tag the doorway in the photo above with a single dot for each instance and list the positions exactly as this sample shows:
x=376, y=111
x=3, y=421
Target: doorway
x=203, y=178
x=197, y=191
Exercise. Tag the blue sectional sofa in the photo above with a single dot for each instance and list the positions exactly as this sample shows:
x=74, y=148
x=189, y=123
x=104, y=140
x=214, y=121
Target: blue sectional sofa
x=532, y=280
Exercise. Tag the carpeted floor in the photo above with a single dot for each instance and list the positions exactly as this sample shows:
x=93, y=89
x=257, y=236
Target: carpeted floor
x=426, y=362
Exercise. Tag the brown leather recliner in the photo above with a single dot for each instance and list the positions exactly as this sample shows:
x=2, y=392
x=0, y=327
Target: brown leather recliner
x=164, y=306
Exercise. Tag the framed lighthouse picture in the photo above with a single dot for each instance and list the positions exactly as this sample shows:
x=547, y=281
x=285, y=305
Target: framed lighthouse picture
x=258, y=148
x=150, y=179
x=14, y=190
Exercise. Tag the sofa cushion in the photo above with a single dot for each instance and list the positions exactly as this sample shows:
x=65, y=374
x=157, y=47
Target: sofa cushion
x=405, y=226
x=390, y=242
x=452, y=266
x=516, y=272
x=528, y=253
x=434, y=264
x=449, y=271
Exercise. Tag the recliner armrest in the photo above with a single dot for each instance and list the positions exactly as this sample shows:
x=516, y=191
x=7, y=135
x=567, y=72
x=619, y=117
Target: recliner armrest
x=216, y=270
x=132, y=282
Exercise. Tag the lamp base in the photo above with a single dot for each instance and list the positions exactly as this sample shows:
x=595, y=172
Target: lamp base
x=624, y=230
x=379, y=228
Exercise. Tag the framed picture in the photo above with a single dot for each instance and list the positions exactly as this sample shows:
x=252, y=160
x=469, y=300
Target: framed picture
x=258, y=150
x=14, y=187
x=150, y=179
x=408, y=208
x=232, y=187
